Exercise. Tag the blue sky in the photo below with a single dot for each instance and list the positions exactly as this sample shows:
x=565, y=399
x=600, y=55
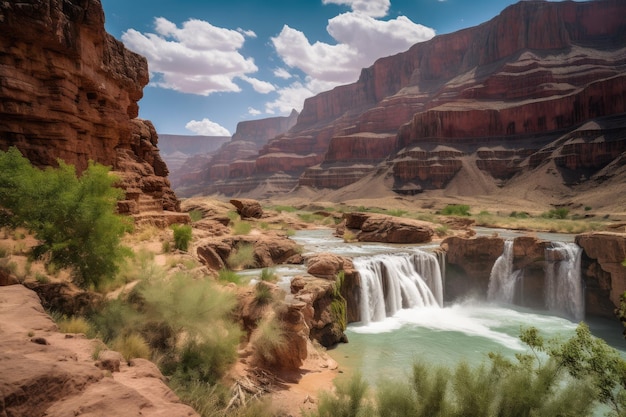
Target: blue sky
x=214, y=63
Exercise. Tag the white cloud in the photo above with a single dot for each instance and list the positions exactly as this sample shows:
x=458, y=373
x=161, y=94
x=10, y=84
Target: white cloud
x=259, y=86
x=248, y=33
x=361, y=39
x=206, y=127
x=253, y=112
x=197, y=58
x=374, y=8
x=282, y=73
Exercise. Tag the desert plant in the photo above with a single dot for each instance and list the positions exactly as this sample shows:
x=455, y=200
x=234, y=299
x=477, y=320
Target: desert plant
x=263, y=293
x=74, y=325
x=456, y=210
x=241, y=227
x=195, y=215
x=182, y=236
x=268, y=274
x=268, y=339
x=349, y=400
x=560, y=213
x=242, y=256
x=131, y=346
x=442, y=230
x=227, y=275
x=349, y=236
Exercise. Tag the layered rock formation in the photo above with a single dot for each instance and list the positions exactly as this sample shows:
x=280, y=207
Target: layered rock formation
x=543, y=81
x=229, y=167
x=177, y=149
x=69, y=90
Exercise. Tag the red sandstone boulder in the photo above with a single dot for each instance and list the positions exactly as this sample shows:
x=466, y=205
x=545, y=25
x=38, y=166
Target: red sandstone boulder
x=248, y=208
x=328, y=265
x=389, y=229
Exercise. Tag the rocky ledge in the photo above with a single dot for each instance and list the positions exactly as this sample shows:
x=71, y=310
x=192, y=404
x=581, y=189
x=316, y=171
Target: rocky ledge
x=45, y=372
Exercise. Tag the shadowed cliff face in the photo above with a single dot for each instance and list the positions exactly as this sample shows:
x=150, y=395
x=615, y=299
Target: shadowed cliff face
x=499, y=93
x=69, y=90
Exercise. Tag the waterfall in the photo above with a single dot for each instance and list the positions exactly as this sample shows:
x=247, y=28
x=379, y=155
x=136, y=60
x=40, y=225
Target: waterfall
x=390, y=282
x=564, y=292
x=503, y=279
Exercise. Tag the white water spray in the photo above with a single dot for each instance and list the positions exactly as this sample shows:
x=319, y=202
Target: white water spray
x=564, y=286
x=503, y=279
x=390, y=283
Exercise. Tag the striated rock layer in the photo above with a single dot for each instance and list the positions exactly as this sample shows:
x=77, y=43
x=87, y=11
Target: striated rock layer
x=507, y=95
x=69, y=90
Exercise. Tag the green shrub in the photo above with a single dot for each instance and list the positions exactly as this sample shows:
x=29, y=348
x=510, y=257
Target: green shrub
x=242, y=227
x=588, y=208
x=74, y=325
x=42, y=201
x=242, y=257
x=195, y=215
x=182, y=236
x=268, y=274
x=131, y=346
x=349, y=400
x=268, y=340
x=560, y=213
x=114, y=319
x=456, y=210
x=263, y=293
x=227, y=275
x=442, y=230
x=519, y=215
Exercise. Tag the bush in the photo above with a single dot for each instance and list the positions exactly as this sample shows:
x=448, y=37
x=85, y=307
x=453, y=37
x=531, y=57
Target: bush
x=263, y=293
x=131, y=346
x=195, y=215
x=182, y=236
x=43, y=201
x=74, y=325
x=241, y=227
x=242, y=257
x=560, y=213
x=268, y=340
x=456, y=210
x=268, y=274
x=226, y=275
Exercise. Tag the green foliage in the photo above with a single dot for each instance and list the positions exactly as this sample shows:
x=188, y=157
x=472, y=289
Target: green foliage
x=554, y=378
x=195, y=215
x=263, y=293
x=241, y=227
x=182, y=236
x=519, y=214
x=339, y=305
x=456, y=210
x=74, y=325
x=73, y=218
x=349, y=400
x=442, y=230
x=226, y=275
x=280, y=209
x=131, y=346
x=242, y=257
x=269, y=339
x=560, y=213
x=268, y=275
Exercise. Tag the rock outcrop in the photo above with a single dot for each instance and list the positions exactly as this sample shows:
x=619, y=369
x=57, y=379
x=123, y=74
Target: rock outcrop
x=368, y=227
x=176, y=150
x=543, y=81
x=45, y=372
x=70, y=91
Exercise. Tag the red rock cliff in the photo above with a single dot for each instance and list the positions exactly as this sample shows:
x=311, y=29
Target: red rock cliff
x=69, y=90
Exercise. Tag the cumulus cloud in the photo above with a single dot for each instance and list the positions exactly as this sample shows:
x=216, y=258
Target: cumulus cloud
x=197, y=58
x=360, y=37
x=253, y=112
x=282, y=73
x=374, y=8
x=206, y=127
x=259, y=86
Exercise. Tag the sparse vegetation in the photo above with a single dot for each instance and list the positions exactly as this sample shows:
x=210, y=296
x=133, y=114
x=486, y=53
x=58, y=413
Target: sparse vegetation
x=74, y=325
x=131, y=346
x=263, y=293
x=456, y=210
x=268, y=274
x=241, y=227
x=182, y=236
x=195, y=215
x=242, y=257
x=559, y=213
x=227, y=275
x=268, y=338
x=442, y=230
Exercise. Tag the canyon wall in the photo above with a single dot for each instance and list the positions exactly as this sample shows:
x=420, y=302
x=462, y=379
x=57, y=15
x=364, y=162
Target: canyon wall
x=70, y=91
x=509, y=95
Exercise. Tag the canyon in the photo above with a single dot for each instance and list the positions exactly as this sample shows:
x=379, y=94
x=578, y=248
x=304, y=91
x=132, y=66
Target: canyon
x=540, y=87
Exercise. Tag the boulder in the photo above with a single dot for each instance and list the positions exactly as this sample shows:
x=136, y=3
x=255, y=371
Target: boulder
x=328, y=265
x=389, y=229
x=248, y=208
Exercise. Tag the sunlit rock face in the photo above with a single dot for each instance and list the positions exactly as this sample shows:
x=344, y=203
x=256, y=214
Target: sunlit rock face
x=541, y=81
x=70, y=91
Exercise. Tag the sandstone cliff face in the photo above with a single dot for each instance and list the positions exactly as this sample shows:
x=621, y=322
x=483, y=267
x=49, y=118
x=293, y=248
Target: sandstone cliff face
x=69, y=90
x=510, y=94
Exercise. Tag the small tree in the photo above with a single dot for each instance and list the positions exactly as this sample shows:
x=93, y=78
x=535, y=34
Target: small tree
x=73, y=218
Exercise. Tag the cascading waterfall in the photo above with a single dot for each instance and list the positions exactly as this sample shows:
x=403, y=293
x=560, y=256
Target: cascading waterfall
x=503, y=279
x=564, y=286
x=391, y=282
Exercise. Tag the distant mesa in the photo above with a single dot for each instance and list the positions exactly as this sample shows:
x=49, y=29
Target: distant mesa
x=542, y=84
